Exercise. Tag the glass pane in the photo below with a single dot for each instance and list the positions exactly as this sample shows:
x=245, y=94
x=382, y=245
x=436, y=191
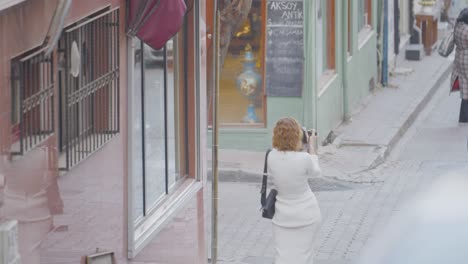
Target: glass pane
x=172, y=111
x=245, y=58
x=137, y=159
x=155, y=150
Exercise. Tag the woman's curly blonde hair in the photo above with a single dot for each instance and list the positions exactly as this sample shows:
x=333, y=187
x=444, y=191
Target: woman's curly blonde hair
x=287, y=135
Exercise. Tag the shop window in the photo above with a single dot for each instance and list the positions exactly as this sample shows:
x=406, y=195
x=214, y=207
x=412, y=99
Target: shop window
x=32, y=100
x=325, y=40
x=365, y=14
x=162, y=137
x=156, y=138
x=239, y=106
x=88, y=86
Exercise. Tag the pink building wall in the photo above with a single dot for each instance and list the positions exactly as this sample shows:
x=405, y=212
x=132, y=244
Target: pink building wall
x=63, y=218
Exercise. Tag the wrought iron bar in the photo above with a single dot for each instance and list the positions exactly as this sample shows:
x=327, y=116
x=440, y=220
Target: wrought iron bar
x=89, y=108
x=32, y=90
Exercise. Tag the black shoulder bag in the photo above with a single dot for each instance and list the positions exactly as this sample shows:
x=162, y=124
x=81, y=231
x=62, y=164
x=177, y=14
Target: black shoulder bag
x=268, y=203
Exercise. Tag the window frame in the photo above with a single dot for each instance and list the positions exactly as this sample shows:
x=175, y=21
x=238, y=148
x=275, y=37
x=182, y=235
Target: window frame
x=328, y=42
x=366, y=30
x=142, y=231
x=326, y=54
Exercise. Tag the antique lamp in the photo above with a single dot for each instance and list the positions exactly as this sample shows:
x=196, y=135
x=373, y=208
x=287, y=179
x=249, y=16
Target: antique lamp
x=249, y=84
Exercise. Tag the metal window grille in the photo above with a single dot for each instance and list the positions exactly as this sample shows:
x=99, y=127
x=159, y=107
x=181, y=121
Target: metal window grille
x=89, y=100
x=32, y=104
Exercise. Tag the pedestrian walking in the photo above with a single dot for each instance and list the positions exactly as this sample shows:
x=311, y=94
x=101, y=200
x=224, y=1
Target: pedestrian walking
x=297, y=214
x=459, y=79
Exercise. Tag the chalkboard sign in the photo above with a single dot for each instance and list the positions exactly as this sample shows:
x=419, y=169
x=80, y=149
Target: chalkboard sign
x=285, y=48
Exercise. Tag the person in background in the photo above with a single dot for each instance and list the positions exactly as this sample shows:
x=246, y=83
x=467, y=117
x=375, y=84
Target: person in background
x=297, y=214
x=459, y=79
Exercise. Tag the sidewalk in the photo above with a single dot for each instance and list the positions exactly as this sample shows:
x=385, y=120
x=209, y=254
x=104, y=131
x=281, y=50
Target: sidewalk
x=353, y=215
x=366, y=140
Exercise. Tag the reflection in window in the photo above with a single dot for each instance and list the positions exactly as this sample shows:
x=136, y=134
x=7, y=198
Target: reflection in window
x=155, y=115
x=246, y=44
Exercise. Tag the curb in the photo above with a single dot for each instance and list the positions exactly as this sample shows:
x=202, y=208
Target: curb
x=237, y=175
x=412, y=117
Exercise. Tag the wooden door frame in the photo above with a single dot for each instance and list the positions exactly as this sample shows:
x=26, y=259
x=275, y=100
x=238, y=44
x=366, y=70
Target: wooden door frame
x=369, y=12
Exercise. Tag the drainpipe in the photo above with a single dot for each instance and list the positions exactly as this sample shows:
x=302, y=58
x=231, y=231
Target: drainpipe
x=215, y=136
x=344, y=58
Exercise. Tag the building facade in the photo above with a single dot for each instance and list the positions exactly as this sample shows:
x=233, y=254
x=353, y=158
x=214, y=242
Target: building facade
x=101, y=140
x=337, y=65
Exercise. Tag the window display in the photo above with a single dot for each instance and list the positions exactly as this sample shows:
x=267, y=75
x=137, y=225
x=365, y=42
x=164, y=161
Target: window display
x=241, y=80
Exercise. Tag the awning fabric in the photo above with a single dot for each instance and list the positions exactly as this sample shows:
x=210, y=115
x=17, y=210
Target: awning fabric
x=155, y=21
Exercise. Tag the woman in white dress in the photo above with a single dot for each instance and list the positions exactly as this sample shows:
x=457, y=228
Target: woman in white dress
x=297, y=214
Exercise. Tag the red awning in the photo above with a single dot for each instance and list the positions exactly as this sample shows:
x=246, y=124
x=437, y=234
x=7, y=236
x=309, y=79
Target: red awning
x=155, y=21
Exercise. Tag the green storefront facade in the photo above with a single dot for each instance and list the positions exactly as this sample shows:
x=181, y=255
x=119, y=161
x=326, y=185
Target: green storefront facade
x=331, y=94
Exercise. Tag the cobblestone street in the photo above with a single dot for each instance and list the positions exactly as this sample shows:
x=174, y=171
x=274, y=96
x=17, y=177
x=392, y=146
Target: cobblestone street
x=353, y=214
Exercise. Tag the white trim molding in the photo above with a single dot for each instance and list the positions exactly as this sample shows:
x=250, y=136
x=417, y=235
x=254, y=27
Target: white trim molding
x=325, y=81
x=157, y=220
x=4, y=4
x=364, y=36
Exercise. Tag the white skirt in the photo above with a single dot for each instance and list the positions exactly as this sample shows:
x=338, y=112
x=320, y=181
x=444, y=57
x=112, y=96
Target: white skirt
x=294, y=245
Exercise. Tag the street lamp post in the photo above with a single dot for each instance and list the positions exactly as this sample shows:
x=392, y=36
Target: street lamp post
x=215, y=136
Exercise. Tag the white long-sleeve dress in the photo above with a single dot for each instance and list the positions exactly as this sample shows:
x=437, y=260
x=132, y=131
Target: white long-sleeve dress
x=297, y=214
